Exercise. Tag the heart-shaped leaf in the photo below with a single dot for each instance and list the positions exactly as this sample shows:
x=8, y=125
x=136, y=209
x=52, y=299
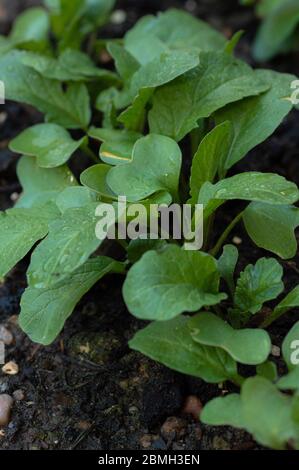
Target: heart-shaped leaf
x=50, y=143
x=155, y=166
x=95, y=178
x=224, y=411
x=164, y=284
x=247, y=346
x=117, y=145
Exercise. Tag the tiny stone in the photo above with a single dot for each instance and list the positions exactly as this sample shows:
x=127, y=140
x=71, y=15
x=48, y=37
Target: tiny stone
x=192, y=406
x=173, y=427
x=10, y=368
x=118, y=17
x=275, y=351
x=6, y=403
x=18, y=395
x=5, y=335
x=190, y=5
x=3, y=117
x=237, y=240
x=14, y=196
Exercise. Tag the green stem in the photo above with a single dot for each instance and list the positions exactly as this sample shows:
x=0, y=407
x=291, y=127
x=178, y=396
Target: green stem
x=214, y=251
x=238, y=380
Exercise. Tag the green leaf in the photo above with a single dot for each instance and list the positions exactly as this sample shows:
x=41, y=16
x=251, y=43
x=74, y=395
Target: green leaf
x=250, y=186
x=138, y=247
x=290, y=347
x=223, y=411
x=289, y=381
x=268, y=413
x=268, y=370
x=162, y=285
x=70, y=242
x=117, y=144
x=289, y=302
x=170, y=343
x=74, y=196
x=227, y=265
x=125, y=63
x=218, y=80
x=20, y=229
x=272, y=227
x=257, y=284
x=277, y=27
x=95, y=178
x=247, y=346
x=50, y=143
x=32, y=25
x=162, y=33
x=71, y=65
x=70, y=109
x=155, y=166
x=41, y=185
x=254, y=119
x=44, y=311
x=207, y=161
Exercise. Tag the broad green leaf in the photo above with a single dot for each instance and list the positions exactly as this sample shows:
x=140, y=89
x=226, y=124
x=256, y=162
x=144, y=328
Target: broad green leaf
x=162, y=285
x=138, y=247
x=155, y=166
x=267, y=413
x=71, y=65
x=171, y=344
x=20, y=229
x=68, y=108
x=254, y=119
x=95, y=178
x=117, y=144
x=257, y=284
x=44, y=311
x=162, y=33
x=41, y=185
x=289, y=381
x=272, y=227
x=218, y=80
x=268, y=370
x=207, y=161
x=276, y=28
x=223, y=411
x=289, y=302
x=227, y=265
x=51, y=144
x=250, y=186
x=70, y=242
x=125, y=63
x=290, y=347
x=32, y=25
x=247, y=346
x=74, y=196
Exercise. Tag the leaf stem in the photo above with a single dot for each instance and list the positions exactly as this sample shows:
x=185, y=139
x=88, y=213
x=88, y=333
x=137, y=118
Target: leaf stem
x=214, y=251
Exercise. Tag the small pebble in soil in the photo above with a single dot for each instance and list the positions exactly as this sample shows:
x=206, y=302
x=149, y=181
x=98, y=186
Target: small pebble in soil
x=118, y=17
x=5, y=335
x=173, y=428
x=6, y=402
x=237, y=240
x=10, y=368
x=18, y=395
x=192, y=406
x=275, y=351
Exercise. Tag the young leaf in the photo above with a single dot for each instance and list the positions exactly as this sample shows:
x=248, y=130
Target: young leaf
x=95, y=178
x=277, y=27
x=218, y=80
x=290, y=348
x=257, y=284
x=289, y=381
x=155, y=166
x=20, y=229
x=247, y=346
x=125, y=63
x=51, y=144
x=44, y=311
x=32, y=25
x=268, y=413
x=223, y=411
x=162, y=285
x=70, y=242
x=227, y=265
x=70, y=109
x=254, y=119
x=268, y=370
x=250, y=186
x=138, y=247
x=41, y=185
x=289, y=302
x=272, y=227
x=117, y=144
x=170, y=343
x=161, y=33
x=207, y=161
x=74, y=196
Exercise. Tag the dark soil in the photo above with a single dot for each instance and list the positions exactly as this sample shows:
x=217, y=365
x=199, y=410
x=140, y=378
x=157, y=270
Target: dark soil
x=88, y=390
